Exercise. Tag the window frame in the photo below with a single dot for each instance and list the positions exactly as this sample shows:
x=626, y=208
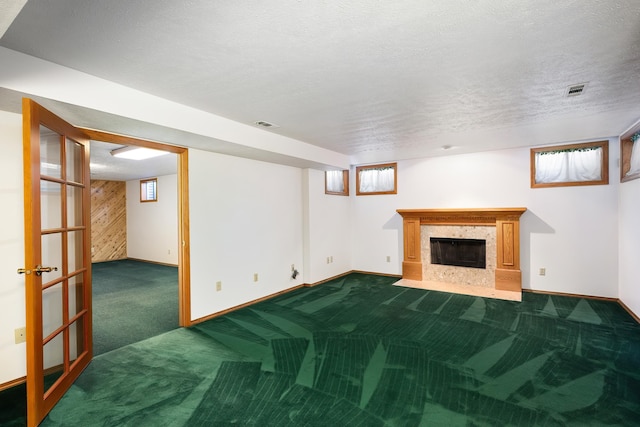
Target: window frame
x=394, y=166
x=143, y=183
x=345, y=186
x=604, y=166
x=626, y=143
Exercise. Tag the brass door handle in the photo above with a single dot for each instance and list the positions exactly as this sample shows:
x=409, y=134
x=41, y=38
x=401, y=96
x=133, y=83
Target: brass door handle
x=38, y=270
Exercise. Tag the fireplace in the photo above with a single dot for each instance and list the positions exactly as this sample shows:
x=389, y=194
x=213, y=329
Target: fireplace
x=441, y=273
x=458, y=252
x=502, y=255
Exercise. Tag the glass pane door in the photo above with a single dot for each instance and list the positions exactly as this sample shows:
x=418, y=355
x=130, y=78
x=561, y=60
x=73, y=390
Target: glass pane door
x=57, y=257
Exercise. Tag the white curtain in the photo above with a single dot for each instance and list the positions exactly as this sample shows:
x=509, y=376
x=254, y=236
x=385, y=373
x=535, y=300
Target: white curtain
x=335, y=181
x=569, y=166
x=635, y=158
x=377, y=180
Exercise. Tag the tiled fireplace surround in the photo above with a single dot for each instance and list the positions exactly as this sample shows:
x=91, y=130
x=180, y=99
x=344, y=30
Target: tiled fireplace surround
x=500, y=227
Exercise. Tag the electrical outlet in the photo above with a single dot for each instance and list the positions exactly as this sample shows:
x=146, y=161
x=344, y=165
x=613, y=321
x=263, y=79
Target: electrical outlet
x=255, y=277
x=328, y=260
x=21, y=335
x=388, y=258
x=168, y=251
x=543, y=271
x=218, y=286
x=293, y=267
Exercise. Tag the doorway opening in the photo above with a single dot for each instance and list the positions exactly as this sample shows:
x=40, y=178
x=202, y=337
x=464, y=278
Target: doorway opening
x=134, y=245
x=106, y=142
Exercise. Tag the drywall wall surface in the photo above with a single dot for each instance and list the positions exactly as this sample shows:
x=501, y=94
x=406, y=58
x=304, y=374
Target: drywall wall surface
x=246, y=220
x=327, y=229
x=12, y=294
x=629, y=214
x=572, y=232
x=152, y=227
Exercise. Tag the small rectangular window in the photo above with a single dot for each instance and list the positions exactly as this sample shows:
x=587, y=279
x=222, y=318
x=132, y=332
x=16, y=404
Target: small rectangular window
x=376, y=179
x=149, y=190
x=336, y=182
x=630, y=157
x=568, y=165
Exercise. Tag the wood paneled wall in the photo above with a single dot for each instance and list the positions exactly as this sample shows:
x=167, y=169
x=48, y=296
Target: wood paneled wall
x=108, y=220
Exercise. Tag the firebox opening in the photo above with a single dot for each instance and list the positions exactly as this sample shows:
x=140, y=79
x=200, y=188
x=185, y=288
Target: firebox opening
x=459, y=252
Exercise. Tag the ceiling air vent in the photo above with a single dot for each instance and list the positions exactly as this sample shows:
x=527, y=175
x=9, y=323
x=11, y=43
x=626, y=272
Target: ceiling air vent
x=265, y=124
x=575, y=90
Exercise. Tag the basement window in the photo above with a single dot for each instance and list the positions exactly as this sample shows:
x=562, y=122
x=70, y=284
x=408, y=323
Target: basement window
x=336, y=182
x=376, y=179
x=630, y=157
x=149, y=190
x=570, y=165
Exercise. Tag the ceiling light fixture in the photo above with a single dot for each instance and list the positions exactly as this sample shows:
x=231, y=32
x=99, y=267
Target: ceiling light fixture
x=137, y=153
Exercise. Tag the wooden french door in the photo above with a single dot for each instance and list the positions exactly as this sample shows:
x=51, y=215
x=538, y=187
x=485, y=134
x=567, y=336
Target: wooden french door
x=57, y=257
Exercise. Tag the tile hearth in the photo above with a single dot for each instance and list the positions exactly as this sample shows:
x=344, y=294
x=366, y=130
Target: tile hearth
x=455, y=288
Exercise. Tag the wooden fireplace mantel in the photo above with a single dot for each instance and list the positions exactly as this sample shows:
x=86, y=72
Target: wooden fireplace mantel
x=506, y=221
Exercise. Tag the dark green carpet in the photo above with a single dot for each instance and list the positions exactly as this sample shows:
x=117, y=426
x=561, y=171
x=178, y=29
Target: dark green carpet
x=132, y=301
x=13, y=406
x=360, y=352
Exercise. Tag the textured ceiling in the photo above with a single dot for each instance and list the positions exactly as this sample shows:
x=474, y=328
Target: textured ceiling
x=374, y=80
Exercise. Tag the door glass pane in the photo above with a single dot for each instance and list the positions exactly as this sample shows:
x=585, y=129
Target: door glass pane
x=74, y=161
x=74, y=247
x=74, y=206
x=50, y=204
x=50, y=153
x=76, y=339
x=51, y=309
x=76, y=294
x=53, y=361
x=52, y=255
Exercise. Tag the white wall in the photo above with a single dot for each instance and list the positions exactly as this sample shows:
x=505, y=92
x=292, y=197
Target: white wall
x=570, y=231
x=12, y=297
x=152, y=227
x=246, y=218
x=629, y=213
x=327, y=221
